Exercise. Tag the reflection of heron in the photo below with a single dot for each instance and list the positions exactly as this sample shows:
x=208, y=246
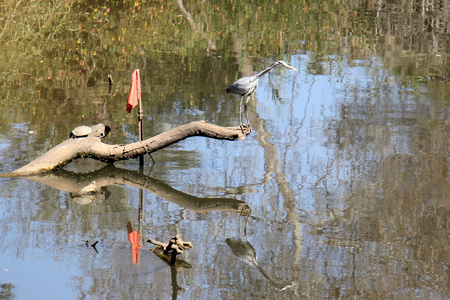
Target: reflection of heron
x=245, y=252
x=245, y=86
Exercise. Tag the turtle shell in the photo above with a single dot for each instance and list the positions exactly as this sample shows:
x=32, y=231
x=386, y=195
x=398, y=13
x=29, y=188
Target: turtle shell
x=80, y=131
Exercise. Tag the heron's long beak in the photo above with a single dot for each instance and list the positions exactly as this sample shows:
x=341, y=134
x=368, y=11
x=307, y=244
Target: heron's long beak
x=289, y=67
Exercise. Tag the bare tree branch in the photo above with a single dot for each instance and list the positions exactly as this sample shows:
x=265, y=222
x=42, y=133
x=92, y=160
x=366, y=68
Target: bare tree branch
x=91, y=146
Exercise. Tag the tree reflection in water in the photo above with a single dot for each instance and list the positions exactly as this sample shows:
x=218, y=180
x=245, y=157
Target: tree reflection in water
x=346, y=171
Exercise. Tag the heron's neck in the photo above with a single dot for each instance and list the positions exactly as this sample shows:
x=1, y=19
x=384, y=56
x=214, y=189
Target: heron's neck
x=265, y=70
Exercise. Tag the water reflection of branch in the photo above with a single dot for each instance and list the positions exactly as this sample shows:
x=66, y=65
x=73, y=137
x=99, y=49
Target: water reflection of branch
x=194, y=26
x=273, y=167
x=302, y=121
x=92, y=185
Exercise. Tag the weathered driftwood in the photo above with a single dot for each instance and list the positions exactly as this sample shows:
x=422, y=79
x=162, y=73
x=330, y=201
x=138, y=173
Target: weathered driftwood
x=91, y=146
x=172, y=248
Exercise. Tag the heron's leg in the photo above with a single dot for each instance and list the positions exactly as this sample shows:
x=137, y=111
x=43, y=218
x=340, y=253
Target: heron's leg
x=240, y=110
x=246, y=112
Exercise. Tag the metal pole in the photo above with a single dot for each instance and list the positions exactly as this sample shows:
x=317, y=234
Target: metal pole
x=141, y=134
x=141, y=167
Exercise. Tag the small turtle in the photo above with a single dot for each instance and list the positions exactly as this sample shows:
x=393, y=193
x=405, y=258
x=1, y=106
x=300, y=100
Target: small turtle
x=80, y=132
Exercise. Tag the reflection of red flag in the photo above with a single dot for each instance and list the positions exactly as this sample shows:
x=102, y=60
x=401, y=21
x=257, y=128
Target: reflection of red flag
x=135, y=240
x=135, y=91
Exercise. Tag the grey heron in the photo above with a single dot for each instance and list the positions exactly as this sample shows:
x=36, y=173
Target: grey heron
x=245, y=86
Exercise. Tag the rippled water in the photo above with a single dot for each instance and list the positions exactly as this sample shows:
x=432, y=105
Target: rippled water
x=340, y=191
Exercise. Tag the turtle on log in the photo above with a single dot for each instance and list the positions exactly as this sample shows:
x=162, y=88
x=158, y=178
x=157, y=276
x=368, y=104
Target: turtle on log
x=83, y=131
x=80, y=132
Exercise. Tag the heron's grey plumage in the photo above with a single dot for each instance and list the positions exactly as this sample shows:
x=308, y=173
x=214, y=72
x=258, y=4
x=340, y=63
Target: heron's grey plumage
x=245, y=86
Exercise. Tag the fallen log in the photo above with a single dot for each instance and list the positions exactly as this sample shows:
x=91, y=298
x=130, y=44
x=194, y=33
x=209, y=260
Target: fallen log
x=92, y=147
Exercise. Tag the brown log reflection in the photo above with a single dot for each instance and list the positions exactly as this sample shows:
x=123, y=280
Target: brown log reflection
x=88, y=187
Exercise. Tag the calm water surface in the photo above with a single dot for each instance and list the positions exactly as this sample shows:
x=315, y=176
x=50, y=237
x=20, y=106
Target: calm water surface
x=340, y=192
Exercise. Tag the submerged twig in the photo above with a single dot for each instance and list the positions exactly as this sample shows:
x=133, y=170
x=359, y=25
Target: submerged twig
x=174, y=247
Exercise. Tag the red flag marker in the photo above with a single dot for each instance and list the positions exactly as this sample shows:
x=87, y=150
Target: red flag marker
x=135, y=91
